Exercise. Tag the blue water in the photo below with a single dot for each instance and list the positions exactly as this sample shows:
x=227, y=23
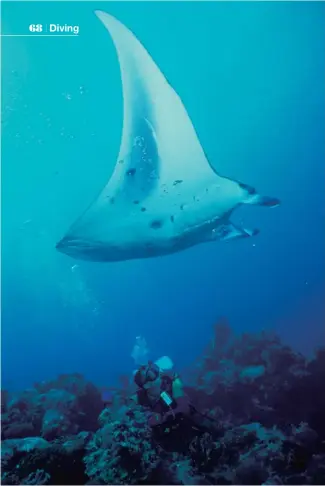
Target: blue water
x=252, y=78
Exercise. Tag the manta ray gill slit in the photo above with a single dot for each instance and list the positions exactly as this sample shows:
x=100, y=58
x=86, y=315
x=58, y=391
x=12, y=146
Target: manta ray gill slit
x=156, y=224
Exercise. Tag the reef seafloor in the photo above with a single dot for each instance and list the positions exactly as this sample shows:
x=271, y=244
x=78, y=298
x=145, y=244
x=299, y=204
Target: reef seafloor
x=262, y=405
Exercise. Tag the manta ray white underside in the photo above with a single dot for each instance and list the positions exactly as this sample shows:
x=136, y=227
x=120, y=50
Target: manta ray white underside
x=163, y=195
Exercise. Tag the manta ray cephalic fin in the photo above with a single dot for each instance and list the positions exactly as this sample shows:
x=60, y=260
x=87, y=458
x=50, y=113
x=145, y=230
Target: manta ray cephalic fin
x=230, y=231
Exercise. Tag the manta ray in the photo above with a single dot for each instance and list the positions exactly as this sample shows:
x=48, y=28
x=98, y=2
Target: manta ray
x=163, y=196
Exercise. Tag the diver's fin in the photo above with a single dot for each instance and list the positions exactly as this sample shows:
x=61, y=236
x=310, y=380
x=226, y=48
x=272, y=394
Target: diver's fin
x=229, y=231
x=256, y=199
x=164, y=363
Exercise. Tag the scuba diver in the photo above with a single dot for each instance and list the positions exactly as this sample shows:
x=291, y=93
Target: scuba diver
x=161, y=391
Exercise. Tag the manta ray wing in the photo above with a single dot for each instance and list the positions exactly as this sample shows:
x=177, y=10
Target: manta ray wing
x=159, y=145
x=136, y=173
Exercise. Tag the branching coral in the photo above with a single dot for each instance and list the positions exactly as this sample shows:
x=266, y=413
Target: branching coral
x=122, y=452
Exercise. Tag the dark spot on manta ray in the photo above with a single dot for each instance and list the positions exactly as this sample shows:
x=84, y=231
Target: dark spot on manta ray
x=131, y=172
x=121, y=161
x=181, y=207
x=143, y=209
x=172, y=219
x=156, y=224
x=178, y=181
x=112, y=200
x=136, y=202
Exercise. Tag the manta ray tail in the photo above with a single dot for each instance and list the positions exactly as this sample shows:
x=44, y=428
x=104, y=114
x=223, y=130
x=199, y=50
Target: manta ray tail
x=256, y=199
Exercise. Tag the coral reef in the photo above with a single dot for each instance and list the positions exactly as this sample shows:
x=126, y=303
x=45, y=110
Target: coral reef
x=262, y=421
